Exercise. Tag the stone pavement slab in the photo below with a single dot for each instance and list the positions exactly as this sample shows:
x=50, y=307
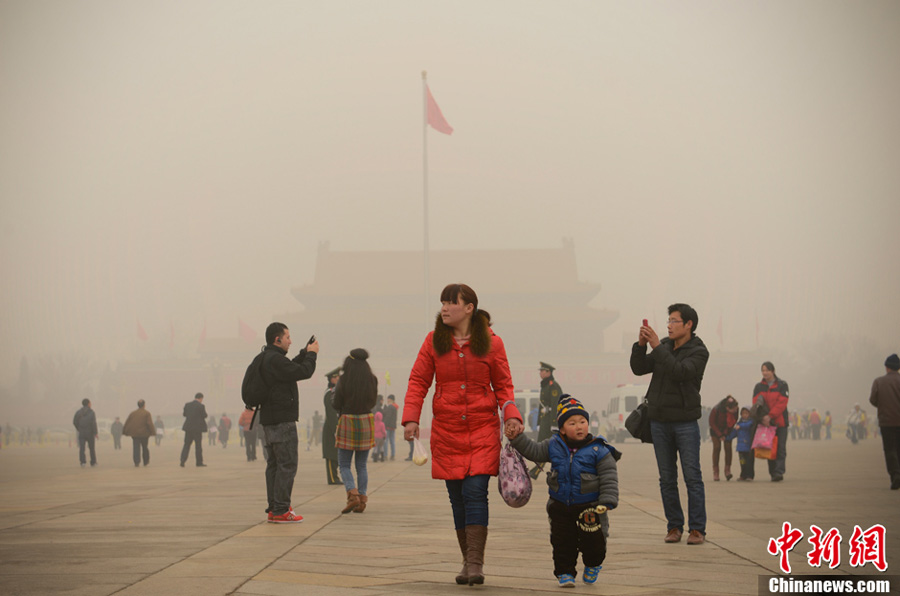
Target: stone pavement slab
x=163, y=529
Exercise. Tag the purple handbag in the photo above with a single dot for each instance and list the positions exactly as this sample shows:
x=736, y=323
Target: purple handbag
x=513, y=480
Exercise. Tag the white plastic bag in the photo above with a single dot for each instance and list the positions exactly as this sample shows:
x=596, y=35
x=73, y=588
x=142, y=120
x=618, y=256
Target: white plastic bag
x=420, y=456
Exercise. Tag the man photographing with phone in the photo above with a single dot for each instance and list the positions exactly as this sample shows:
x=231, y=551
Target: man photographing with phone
x=279, y=414
x=677, y=363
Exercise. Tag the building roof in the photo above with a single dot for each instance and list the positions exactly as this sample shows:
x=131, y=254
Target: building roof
x=507, y=272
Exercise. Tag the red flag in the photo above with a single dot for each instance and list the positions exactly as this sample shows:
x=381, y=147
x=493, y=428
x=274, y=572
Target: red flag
x=246, y=332
x=202, y=337
x=435, y=118
x=719, y=330
x=142, y=335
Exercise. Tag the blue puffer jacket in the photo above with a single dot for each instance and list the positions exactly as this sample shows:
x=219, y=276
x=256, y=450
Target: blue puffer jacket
x=585, y=476
x=573, y=479
x=745, y=435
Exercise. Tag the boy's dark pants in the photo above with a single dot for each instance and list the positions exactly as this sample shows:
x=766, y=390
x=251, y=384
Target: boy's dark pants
x=746, y=458
x=568, y=539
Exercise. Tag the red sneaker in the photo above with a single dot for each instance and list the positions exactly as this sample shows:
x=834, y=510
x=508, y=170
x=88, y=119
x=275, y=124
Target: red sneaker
x=288, y=517
x=272, y=515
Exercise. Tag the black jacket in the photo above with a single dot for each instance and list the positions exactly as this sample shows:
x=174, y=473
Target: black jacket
x=86, y=422
x=674, y=392
x=194, y=417
x=282, y=375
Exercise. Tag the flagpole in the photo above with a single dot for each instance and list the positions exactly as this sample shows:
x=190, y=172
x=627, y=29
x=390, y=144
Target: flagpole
x=425, y=193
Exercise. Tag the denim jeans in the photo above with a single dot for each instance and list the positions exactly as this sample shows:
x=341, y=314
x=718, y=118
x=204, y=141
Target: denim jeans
x=344, y=457
x=281, y=465
x=389, y=442
x=672, y=440
x=89, y=441
x=140, y=443
x=469, y=500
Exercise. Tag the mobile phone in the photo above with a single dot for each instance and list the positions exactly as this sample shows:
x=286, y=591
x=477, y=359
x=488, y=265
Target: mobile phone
x=645, y=323
x=312, y=339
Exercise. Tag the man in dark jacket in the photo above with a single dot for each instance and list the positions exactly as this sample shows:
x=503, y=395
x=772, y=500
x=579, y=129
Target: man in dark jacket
x=673, y=399
x=885, y=397
x=85, y=422
x=329, y=451
x=115, y=429
x=390, y=425
x=279, y=414
x=194, y=427
x=550, y=394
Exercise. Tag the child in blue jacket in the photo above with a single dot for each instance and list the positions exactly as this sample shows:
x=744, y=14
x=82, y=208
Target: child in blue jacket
x=745, y=428
x=584, y=484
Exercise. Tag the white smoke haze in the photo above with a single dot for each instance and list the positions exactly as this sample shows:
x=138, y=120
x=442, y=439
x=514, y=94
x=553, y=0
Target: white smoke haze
x=177, y=164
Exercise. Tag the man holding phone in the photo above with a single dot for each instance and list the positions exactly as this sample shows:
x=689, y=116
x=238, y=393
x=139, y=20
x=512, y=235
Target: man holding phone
x=279, y=414
x=677, y=363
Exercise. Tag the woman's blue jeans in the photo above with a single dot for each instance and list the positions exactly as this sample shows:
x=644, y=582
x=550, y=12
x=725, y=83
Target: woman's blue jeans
x=344, y=457
x=469, y=500
x=671, y=441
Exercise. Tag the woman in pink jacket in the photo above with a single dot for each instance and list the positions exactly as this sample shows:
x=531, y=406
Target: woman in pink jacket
x=473, y=387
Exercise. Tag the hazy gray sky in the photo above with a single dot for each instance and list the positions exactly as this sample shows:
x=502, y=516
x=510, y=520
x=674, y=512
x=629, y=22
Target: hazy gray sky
x=180, y=161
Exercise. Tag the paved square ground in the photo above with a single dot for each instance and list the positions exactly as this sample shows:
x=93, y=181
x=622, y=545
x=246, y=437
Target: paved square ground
x=163, y=529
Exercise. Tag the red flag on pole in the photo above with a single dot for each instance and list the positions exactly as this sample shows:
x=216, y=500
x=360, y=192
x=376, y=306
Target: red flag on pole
x=435, y=118
x=246, y=332
x=141, y=333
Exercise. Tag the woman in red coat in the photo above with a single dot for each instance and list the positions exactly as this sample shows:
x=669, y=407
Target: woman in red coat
x=774, y=393
x=473, y=386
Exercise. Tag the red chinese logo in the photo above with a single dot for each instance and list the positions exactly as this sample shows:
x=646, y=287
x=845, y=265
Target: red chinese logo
x=868, y=547
x=784, y=544
x=826, y=547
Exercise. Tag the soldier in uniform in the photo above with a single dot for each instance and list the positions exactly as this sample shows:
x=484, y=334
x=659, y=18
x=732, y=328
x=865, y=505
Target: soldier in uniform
x=550, y=394
x=329, y=451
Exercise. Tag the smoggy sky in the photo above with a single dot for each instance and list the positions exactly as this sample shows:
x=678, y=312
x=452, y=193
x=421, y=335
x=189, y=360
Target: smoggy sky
x=177, y=163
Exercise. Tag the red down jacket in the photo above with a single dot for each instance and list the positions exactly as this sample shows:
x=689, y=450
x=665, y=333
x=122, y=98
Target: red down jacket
x=470, y=391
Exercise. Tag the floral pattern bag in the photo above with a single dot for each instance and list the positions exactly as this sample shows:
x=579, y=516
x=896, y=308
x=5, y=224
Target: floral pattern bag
x=513, y=480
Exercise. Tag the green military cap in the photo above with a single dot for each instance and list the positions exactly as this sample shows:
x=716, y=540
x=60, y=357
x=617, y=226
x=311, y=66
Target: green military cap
x=333, y=373
x=548, y=367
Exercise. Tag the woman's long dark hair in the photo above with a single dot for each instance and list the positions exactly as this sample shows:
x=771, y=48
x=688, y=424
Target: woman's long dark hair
x=358, y=387
x=453, y=292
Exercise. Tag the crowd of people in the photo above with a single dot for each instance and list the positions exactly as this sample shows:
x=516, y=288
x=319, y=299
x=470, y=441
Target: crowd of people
x=473, y=406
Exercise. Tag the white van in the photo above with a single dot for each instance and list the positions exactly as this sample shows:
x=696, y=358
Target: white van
x=622, y=400
x=528, y=402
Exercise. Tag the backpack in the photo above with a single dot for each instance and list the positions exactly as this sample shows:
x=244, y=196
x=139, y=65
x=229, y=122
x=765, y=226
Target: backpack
x=254, y=389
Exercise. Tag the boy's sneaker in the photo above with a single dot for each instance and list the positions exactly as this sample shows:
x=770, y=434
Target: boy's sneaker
x=590, y=574
x=566, y=581
x=288, y=517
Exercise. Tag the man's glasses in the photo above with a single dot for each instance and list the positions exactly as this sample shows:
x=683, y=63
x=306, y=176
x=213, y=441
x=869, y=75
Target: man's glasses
x=673, y=321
